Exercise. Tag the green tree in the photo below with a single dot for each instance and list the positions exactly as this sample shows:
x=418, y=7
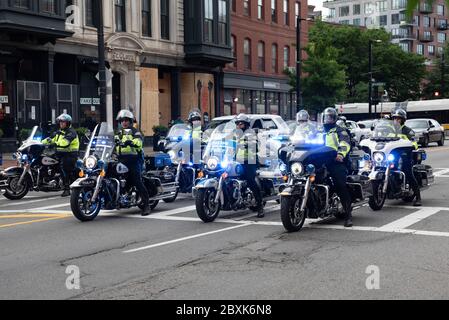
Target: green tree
x=323, y=81
x=438, y=78
x=401, y=71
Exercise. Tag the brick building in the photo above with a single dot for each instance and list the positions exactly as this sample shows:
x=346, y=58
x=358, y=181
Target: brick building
x=425, y=34
x=263, y=40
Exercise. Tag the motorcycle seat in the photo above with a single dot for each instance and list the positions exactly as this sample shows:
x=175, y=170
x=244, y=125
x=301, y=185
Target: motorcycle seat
x=356, y=179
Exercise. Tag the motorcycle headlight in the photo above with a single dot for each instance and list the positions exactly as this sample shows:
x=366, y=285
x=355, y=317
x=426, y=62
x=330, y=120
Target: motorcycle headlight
x=91, y=162
x=379, y=157
x=212, y=163
x=172, y=154
x=297, y=169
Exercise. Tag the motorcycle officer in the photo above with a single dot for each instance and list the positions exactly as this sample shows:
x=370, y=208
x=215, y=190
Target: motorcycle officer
x=130, y=153
x=67, y=144
x=194, y=136
x=247, y=151
x=399, y=117
x=338, y=139
x=303, y=121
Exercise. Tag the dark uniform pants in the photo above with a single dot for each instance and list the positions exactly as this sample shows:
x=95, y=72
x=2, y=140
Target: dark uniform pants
x=67, y=167
x=135, y=176
x=339, y=173
x=407, y=168
x=249, y=175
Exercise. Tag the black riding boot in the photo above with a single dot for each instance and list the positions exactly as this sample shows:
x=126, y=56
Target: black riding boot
x=417, y=202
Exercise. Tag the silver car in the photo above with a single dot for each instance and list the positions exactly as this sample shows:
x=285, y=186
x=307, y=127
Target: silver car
x=426, y=131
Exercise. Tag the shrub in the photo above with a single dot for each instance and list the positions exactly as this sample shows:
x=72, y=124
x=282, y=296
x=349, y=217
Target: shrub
x=160, y=130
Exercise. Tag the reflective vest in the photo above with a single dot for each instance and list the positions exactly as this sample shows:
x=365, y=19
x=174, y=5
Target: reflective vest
x=246, y=149
x=137, y=140
x=66, y=140
x=338, y=139
x=404, y=133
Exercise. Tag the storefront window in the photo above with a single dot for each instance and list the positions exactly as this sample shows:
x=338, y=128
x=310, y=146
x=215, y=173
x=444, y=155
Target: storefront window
x=6, y=112
x=273, y=102
x=242, y=101
x=260, y=102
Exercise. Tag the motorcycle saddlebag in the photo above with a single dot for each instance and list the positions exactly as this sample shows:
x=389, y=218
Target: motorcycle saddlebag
x=424, y=174
x=359, y=186
x=157, y=161
x=419, y=155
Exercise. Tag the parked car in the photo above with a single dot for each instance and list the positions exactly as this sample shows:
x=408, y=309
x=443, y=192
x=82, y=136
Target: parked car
x=427, y=131
x=292, y=125
x=259, y=122
x=359, y=134
x=367, y=126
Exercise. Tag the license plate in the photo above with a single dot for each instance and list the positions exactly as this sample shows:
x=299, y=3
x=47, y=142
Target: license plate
x=88, y=183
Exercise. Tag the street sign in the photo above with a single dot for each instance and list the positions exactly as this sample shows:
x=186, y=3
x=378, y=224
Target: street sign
x=3, y=99
x=378, y=84
x=109, y=75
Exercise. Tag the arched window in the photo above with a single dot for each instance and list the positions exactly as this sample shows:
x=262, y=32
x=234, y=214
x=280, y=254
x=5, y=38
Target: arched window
x=274, y=58
x=286, y=57
x=247, y=53
x=261, y=56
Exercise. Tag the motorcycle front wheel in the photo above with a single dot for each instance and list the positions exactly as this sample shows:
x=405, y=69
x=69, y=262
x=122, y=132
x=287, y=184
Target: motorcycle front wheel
x=377, y=200
x=291, y=216
x=81, y=206
x=14, y=191
x=206, y=207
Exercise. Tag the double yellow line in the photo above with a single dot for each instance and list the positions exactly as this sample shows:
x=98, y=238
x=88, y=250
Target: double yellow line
x=42, y=218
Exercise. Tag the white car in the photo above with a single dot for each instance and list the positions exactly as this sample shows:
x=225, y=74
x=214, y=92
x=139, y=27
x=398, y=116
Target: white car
x=359, y=134
x=273, y=124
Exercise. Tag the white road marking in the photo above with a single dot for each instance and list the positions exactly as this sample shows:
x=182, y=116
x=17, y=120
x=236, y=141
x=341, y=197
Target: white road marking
x=441, y=172
x=174, y=211
x=186, y=238
x=409, y=220
x=12, y=203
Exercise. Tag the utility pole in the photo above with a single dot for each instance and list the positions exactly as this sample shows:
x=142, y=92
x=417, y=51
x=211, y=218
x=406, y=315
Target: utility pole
x=442, y=76
x=298, y=62
x=101, y=59
x=370, y=84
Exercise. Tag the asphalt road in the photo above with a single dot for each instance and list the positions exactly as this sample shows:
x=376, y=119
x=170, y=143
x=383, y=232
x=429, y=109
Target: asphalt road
x=401, y=252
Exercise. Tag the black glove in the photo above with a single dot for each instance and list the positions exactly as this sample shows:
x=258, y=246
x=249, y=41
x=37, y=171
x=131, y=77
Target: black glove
x=128, y=143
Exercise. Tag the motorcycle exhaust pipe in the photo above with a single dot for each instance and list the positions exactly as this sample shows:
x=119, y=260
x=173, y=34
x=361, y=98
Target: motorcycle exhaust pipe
x=387, y=176
x=306, y=195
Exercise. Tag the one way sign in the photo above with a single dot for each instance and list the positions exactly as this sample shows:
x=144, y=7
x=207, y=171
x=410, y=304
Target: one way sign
x=109, y=75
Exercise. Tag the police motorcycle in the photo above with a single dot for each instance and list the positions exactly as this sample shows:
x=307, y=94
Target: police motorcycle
x=37, y=169
x=309, y=192
x=178, y=146
x=222, y=187
x=385, y=169
x=102, y=180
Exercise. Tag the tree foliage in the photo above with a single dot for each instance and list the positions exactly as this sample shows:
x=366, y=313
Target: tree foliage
x=346, y=48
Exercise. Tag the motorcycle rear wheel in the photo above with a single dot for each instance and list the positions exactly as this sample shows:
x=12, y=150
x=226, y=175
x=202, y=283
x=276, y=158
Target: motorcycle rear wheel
x=291, y=218
x=80, y=206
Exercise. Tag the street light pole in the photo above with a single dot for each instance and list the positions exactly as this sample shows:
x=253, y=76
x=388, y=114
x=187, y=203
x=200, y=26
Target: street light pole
x=298, y=62
x=101, y=59
x=370, y=84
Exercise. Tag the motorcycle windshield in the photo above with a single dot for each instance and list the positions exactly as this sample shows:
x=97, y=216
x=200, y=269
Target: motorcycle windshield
x=386, y=129
x=222, y=144
x=101, y=144
x=307, y=135
x=35, y=135
x=178, y=133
